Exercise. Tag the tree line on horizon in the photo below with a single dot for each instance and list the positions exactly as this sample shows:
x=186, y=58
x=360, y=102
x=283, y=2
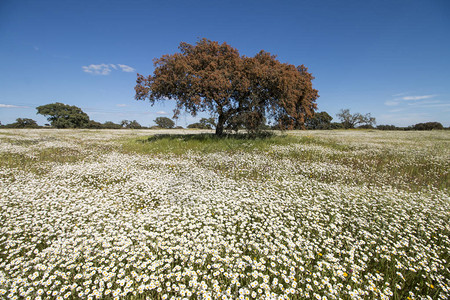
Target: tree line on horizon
x=62, y=116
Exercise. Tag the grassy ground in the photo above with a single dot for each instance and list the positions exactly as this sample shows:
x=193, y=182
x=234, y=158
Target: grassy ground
x=305, y=214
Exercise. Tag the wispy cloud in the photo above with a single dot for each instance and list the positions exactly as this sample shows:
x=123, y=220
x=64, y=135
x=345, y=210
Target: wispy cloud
x=408, y=98
x=121, y=105
x=425, y=102
x=126, y=68
x=161, y=112
x=12, y=106
x=106, y=69
x=102, y=69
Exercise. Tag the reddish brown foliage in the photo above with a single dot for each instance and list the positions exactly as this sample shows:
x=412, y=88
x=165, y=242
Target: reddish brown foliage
x=240, y=90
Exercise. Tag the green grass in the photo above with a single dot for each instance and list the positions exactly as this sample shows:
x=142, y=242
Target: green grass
x=179, y=144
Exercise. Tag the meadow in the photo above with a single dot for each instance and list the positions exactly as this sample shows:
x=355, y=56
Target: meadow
x=142, y=214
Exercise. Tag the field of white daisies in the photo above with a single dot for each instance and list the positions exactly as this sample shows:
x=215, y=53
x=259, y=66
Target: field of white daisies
x=315, y=214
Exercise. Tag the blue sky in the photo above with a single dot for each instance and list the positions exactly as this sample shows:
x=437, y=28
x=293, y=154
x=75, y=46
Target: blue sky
x=389, y=58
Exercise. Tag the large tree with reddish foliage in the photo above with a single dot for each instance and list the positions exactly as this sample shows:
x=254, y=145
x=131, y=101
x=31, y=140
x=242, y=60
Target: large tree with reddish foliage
x=238, y=90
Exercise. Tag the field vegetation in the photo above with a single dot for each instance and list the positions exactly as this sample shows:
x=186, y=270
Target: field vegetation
x=142, y=214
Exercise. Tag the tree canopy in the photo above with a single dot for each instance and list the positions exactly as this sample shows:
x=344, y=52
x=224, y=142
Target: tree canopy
x=238, y=90
x=351, y=120
x=130, y=124
x=26, y=123
x=61, y=115
x=164, y=122
x=428, y=126
x=321, y=120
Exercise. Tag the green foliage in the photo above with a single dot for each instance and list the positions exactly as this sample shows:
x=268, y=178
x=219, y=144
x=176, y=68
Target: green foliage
x=64, y=116
x=352, y=120
x=23, y=123
x=111, y=125
x=130, y=124
x=205, y=123
x=164, y=122
x=388, y=127
x=336, y=125
x=428, y=126
x=197, y=126
x=94, y=125
x=209, y=123
x=321, y=120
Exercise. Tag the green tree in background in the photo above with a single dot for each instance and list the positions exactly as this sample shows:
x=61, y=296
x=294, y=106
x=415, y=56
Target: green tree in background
x=61, y=115
x=164, y=122
x=428, y=126
x=130, y=124
x=321, y=120
x=352, y=120
x=23, y=123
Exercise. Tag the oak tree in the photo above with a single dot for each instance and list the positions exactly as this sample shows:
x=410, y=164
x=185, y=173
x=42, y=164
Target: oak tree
x=237, y=90
x=23, y=123
x=130, y=124
x=321, y=120
x=351, y=120
x=61, y=115
x=164, y=122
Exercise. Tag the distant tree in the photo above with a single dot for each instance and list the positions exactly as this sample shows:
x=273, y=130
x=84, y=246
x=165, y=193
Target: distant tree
x=387, y=127
x=321, y=120
x=366, y=126
x=93, y=125
x=64, y=116
x=208, y=123
x=205, y=123
x=111, y=125
x=23, y=123
x=125, y=123
x=428, y=126
x=239, y=90
x=130, y=124
x=196, y=126
x=164, y=122
x=336, y=125
x=134, y=125
x=351, y=120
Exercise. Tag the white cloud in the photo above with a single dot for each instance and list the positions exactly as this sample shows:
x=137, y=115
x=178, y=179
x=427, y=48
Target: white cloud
x=161, y=112
x=126, y=68
x=121, y=105
x=106, y=69
x=417, y=97
x=12, y=106
x=102, y=69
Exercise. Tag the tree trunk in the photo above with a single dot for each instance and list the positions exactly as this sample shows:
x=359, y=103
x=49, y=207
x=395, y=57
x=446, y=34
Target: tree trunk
x=220, y=124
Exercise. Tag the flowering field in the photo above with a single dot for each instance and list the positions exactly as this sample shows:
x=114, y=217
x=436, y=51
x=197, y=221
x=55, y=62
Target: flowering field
x=324, y=215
